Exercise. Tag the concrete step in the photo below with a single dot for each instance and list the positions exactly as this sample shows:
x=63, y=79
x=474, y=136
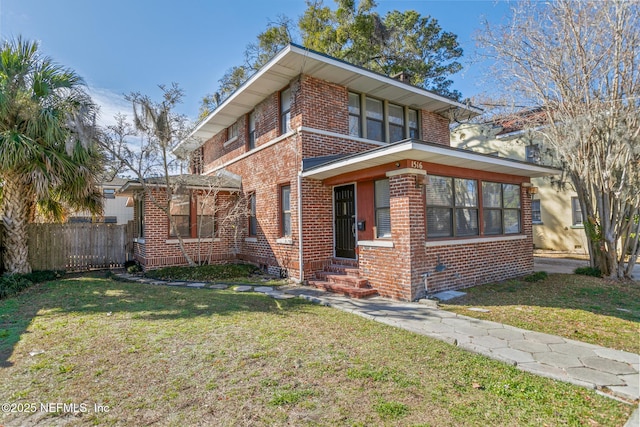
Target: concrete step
x=343, y=269
x=351, y=291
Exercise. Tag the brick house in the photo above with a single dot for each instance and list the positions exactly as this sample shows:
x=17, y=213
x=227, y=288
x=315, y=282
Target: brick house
x=353, y=186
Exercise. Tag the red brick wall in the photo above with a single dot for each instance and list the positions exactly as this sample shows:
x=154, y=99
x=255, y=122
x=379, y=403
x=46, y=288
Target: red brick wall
x=160, y=250
x=324, y=106
x=435, y=128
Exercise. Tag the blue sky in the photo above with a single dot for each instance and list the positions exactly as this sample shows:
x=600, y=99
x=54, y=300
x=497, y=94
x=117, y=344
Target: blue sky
x=120, y=46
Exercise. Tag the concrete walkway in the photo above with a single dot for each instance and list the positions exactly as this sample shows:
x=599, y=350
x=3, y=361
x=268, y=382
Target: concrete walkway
x=568, y=265
x=551, y=356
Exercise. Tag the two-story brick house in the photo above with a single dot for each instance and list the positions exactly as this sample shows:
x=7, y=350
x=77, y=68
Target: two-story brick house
x=352, y=184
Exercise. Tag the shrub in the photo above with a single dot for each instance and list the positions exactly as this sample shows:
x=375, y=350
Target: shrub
x=535, y=277
x=588, y=271
x=133, y=269
x=12, y=284
x=203, y=272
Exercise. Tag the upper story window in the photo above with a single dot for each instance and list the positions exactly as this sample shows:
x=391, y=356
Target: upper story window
x=395, y=121
x=233, y=131
x=285, y=110
x=375, y=119
x=414, y=127
x=252, y=130
x=380, y=120
x=532, y=152
x=109, y=193
x=355, y=115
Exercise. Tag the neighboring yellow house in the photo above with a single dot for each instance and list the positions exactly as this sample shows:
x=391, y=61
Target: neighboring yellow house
x=556, y=214
x=117, y=210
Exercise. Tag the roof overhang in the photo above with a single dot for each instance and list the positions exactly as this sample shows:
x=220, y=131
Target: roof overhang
x=427, y=152
x=221, y=181
x=294, y=60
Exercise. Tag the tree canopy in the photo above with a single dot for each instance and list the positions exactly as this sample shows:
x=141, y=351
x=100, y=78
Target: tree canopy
x=578, y=61
x=355, y=32
x=48, y=159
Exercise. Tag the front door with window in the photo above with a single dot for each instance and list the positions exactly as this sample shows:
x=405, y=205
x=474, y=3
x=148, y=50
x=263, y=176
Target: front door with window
x=345, y=221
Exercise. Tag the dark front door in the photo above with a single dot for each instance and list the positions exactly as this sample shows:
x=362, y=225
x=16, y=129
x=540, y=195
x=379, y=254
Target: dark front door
x=345, y=220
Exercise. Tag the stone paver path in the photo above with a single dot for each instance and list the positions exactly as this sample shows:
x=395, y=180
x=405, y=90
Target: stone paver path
x=547, y=355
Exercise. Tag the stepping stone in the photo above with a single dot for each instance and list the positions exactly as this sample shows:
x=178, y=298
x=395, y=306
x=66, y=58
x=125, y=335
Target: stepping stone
x=177, y=283
x=263, y=289
x=478, y=309
x=158, y=282
x=607, y=365
x=219, y=286
x=243, y=288
x=595, y=377
x=280, y=295
x=447, y=295
x=196, y=285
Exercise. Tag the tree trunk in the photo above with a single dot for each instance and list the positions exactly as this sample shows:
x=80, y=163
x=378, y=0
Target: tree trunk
x=15, y=210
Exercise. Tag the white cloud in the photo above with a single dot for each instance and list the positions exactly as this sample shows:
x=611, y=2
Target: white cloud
x=110, y=104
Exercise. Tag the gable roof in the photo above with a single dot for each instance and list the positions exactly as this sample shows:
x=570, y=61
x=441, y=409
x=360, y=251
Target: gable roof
x=294, y=60
x=427, y=152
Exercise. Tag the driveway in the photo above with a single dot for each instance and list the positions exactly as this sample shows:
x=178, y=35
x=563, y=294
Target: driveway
x=567, y=265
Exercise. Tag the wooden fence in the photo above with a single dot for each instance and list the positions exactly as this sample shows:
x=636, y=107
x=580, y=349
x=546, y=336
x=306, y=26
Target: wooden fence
x=79, y=246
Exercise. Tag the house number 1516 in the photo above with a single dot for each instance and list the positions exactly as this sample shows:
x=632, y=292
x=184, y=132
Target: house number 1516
x=416, y=165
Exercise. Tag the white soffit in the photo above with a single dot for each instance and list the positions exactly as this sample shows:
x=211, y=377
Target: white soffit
x=431, y=153
x=294, y=60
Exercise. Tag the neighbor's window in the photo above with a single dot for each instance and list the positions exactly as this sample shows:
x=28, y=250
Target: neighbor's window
x=285, y=210
x=395, y=122
x=452, y=207
x=285, y=110
x=383, y=210
x=252, y=130
x=180, y=211
x=576, y=212
x=109, y=193
x=206, y=216
x=501, y=208
x=536, y=214
x=253, y=221
x=355, y=122
x=375, y=119
x=532, y=152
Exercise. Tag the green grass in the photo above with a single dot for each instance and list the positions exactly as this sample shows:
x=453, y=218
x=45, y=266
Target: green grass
x=168, y=356
x=583, y=308
x=208, y=273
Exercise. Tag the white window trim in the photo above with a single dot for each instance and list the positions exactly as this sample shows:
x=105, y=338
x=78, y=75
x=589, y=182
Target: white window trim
x=230, y=141
x=476, y=240
x=251, y=239
x=140, y=240
x=193, y=240
x=285, y=241
x=380, y=243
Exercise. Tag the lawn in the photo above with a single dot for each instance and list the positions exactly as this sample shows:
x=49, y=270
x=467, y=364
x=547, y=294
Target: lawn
x=158, y=355
x=582, y=308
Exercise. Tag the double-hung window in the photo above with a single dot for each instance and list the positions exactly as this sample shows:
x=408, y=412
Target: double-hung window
x=375, y=119
x=501, y=208
x=206, y=217
x=395, y=122
x=109, y=193
x=180, y=211
x=253, y=220
x=576, y=212
x=355, y=115
x=252, y=131
x=285, y=110
x=536, y=214
x=285, y=210
x=452, y=207
x=233, y=131
x=383, y=209
x=139, y=210
x=414, y=131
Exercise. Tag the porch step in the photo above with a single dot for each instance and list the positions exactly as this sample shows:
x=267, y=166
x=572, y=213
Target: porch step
x=348, y=290
x=343, y=269
x=343, y=279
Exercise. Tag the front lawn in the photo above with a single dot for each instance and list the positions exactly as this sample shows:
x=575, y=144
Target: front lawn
x=582, y=308
x=158, y=355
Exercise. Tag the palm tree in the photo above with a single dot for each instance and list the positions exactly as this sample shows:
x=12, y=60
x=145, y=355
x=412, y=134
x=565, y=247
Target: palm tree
x=47, y=158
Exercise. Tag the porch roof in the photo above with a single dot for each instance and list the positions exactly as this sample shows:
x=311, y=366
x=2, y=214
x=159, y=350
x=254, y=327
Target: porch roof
x=294, y=60
x=222, y=181
x=427, y=152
